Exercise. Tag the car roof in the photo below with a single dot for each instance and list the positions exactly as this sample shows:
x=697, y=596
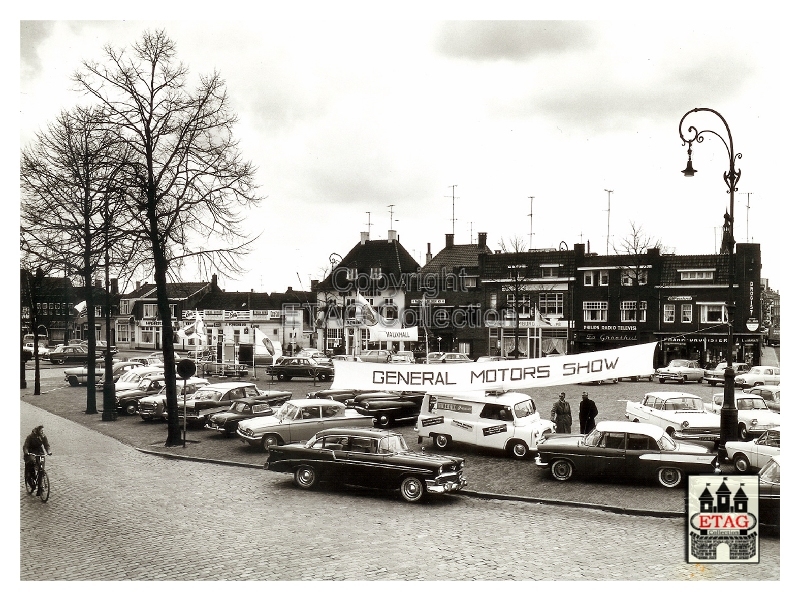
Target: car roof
x=228, y=385
x=503, y=399
x=362, y=431
x=631, y=427
x=771, y=388
x=739, y=395
x=669, y=395
x=303, y=402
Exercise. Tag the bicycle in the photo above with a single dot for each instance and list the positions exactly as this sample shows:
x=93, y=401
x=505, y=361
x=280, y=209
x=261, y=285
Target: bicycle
x=41, y=483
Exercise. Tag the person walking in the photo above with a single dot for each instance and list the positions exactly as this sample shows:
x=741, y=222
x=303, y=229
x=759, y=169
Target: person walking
x=561, y=414
x=586, y=413
x=35, y=443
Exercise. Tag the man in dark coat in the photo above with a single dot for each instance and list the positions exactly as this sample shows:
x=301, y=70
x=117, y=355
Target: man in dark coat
x=35, y=443
x=586, y=413
x=561, y=415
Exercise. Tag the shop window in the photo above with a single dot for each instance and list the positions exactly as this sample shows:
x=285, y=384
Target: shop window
x=123, y=332
x=669, y=313
x=686, y=313
x=595, y=311
x=712, y=313
x=588, y=278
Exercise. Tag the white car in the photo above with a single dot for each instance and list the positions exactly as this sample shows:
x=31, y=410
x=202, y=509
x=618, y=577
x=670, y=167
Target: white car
x=680, y=370
x=717, y=374
x=758, y=376
x=683, y=416
x=754, y=415
x=450, y=357
x=753, y=455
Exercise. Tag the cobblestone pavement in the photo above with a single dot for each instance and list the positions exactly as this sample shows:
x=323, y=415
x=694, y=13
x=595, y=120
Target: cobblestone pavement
x=118, y=514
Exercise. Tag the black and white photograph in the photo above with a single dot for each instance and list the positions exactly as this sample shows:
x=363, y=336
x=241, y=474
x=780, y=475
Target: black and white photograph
x=405, y=296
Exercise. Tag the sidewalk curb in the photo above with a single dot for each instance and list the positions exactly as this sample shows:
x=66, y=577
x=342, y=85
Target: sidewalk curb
x=484, y=495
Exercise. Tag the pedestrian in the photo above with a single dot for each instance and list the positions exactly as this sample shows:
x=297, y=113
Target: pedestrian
x=586, y=413
x=35, y=443
x=561, y=414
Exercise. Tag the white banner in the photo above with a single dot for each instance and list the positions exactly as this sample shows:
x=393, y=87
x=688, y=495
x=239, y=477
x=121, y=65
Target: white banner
x=382, y=334
x=497, y=375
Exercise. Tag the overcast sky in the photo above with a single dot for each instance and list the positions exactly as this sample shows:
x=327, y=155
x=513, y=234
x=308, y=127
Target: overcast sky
x=346, y=117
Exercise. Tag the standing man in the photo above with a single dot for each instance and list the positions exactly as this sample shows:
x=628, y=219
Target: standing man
x=561, y=415
x=586, y=413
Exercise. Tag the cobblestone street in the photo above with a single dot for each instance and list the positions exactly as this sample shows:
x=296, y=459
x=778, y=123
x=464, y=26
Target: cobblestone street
x=118, y=514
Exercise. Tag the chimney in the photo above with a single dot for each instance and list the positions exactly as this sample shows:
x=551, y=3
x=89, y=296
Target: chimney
x=481, y=240
x=448, y=240
x=392, y=235
x=654, y=251
x=138, y=285
x=428, y=256
x=580, y=249
x=214, y=281
x=364, y=237
x=115, y=286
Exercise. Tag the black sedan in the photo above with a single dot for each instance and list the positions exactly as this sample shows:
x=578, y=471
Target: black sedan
x=299, y=366
x=71, y=354
x=226, y=422
x=367, y=457
x=624, y=449
x=389, y=407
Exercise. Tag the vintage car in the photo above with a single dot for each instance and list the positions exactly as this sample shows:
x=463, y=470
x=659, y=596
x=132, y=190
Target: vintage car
x=345, y=358
x=148, y=361
x=298, y=420
x=769, y=494
x=289, y=367
x=317, y=355
x=624, y=449
x=754, y=415
x=404, y=356
x=717, y=374
x=131, y=378
x=76, y=376
x=227, y=421
x=490, y=358
x=761, y=375
x=643, y=377
x=368, y=458
x=771, y=395
x=155, y=407
x=501, y=421
x=756, y=453
x=128, y=401
x=387, y=408
x=682, y=416
x=433, y=357
x=346, y=397
x=680, y=370
x=378, y=356
x=214, y=398
x=77, y=353
x=449, y=357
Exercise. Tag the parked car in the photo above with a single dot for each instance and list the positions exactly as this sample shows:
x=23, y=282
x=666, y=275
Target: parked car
x=680, y=370
x=449, y=357
x=148, y=361
x=79, y=375
x=214, y=398
x=602, y=381
x=155, y=407
x=159, y=355
x=753, y=455
x=43, y=351
x=346, y=397
x=682, y=416
x=227, y=421
x=769, y=494
x=771, y=395
x=69, y=354
x=761, y=375
x=490, y=358
x=127, y=401
x=130, y=380
x=387, y=408
x=298, y=420
x=204, y=355
x=502, y=421
x=754, y=415
x=345, y=358
x=433, y=357
x=368, y=458
x=299, y=366
x=100, y=346
x=317, y=355
x=403, y=356
x=647, y=377
x=624, y=449
x=378, y=356
x=717, y=374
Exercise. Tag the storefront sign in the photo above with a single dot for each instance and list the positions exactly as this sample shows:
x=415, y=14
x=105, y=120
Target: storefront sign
x=679, y=298
x=610, y=327
x=417, y=302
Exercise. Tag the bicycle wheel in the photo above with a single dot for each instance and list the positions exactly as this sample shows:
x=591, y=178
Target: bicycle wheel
x=44, y=487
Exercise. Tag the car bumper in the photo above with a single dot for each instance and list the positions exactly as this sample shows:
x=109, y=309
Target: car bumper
x=252, y=440
x=435, y=486
x=215, y=427
x=696, y=436
x=671, y=376
x=540, y=463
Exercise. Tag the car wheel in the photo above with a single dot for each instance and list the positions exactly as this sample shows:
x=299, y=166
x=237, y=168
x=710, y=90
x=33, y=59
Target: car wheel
x=660, y=380
x=58, y=361
x=561, y=469
x=412, y=489
x=683, y=379
x=518, y=449
x=281, y=377
x=670, y=431
x=73, y=381
x=305, y=477
x=740, y=463
x=269, y=440
x=383, y=421
x=442, y=441
x=669, y=476
x=650, y=378
x=712, y=383
x=743, y=433
x=323, y=377
x=700, y=380
x=130, y=408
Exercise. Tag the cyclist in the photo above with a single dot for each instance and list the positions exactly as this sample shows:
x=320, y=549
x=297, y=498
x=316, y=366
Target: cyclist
x=35, y=443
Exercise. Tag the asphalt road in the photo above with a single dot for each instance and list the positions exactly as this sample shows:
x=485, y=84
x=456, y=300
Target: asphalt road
x=116, y=514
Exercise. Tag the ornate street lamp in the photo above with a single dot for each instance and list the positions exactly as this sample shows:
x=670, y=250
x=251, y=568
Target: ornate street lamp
x=729, y=416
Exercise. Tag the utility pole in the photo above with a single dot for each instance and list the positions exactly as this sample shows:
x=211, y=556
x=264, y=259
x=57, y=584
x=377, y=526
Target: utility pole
x=454, y=208
x=530, y=235
x=608, y=223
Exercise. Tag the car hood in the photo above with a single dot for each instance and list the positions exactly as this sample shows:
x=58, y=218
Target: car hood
x=79, y=371
x=764, y=417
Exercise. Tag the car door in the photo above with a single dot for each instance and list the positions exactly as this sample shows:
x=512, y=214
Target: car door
x=609, y=456
x=307, y=423
x=364, y=465
x=765, y=447
x=636, y=445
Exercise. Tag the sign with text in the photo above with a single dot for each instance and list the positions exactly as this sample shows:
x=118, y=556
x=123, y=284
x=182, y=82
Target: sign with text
x=505, y=375
x=383, y=334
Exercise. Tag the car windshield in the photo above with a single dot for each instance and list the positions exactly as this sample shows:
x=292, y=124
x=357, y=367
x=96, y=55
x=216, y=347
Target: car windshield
x=240, y=407
x=683, y=404
x=207, y=395
x=752, y=404
x=524, y=409
x=262, y=408
x=392, y=444
x=144, y=384
x=592, y=438
x=287, y=412
x=771, y=473
x=666, y=443
x=678, y=363
x=130, y=377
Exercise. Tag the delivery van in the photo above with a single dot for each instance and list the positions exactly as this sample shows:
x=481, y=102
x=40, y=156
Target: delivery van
x=502, y=420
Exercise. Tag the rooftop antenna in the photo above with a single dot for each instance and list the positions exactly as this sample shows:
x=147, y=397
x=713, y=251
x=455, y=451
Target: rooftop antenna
x=530, y=235
x=454, y=208
x=392, y=220
x=748, y=216
x=608, y=224
x=369, y=222
x=470, y=232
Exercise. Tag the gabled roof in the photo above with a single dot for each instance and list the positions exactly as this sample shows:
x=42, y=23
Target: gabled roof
x=671, y=264
x=221, y=300
x=390, y=255
x=455, y=257
x=496, y=265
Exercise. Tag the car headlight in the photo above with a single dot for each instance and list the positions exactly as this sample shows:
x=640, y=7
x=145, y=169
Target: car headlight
x=754, y=422
x=366, y=405
x=684, y=425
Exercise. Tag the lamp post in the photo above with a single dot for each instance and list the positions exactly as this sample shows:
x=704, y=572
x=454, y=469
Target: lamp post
x=728, y=414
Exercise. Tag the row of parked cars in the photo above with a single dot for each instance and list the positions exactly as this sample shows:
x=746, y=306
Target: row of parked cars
x=683, y=371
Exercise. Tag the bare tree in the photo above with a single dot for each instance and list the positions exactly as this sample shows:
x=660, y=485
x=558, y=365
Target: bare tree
x=70, y=180
x=190, y=179
x=635, y=245
x=518, y=276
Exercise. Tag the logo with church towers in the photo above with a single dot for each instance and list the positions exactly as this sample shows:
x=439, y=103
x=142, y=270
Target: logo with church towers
x=723, y=519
